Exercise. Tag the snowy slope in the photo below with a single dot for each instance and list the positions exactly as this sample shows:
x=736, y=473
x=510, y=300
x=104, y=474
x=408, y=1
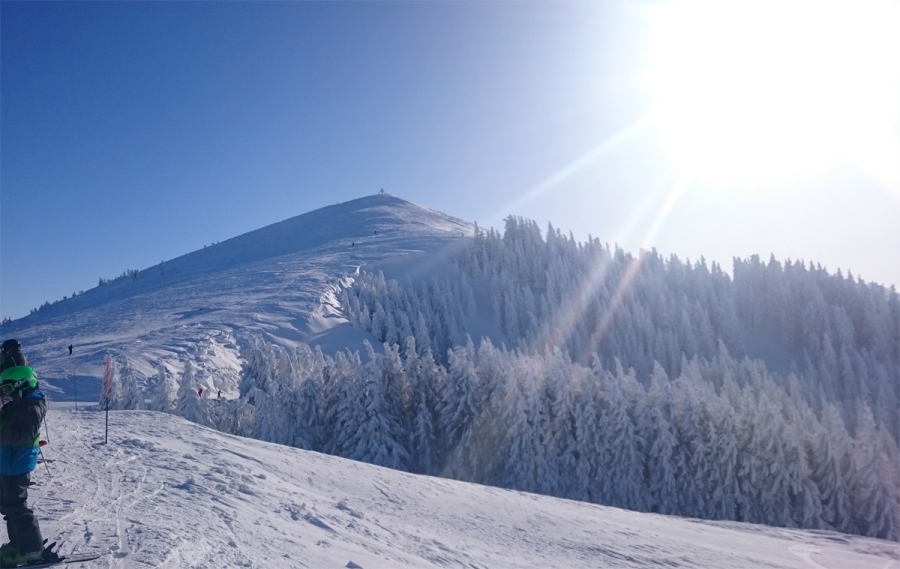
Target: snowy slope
x=168, y=493
x=278, y=280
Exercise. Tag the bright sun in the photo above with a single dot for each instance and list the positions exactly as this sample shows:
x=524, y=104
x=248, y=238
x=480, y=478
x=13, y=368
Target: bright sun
x=765, y=92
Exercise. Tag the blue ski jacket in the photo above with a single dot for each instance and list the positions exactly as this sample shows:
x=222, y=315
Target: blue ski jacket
x=20, y=431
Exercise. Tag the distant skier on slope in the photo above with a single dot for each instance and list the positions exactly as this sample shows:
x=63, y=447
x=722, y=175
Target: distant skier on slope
x=22, y=409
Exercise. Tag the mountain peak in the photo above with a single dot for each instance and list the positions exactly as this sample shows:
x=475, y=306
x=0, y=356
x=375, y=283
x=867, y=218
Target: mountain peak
x=276, y=280
x=352, y=223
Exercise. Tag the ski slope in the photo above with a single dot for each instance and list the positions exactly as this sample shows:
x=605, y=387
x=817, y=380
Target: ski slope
x=167, y=493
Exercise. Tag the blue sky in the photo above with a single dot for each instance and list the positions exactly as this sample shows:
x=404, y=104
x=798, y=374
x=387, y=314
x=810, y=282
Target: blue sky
x=136, y=132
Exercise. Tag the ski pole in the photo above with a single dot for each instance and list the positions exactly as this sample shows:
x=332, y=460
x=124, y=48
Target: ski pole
x=46, y=425
x=43, y=458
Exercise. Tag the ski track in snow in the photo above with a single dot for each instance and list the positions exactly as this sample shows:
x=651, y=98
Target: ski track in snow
x=168, y=493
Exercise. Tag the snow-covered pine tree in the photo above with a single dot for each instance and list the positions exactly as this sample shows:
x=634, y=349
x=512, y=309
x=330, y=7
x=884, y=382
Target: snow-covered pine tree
x=342, y=410
x=624, y=468
x=426, y=436
x=396, y=391
x=163, y=392
x=457, y=406
x=256, y=370
x=307, y=429
x=722, y=457
x=421, y=427
x=587, y=437
x=188, y=404
x=233, y=416
x=520, y=420
x=874, y=494
x=832, y=468
x=131, y=395
x=376, y=441
x=559, y=442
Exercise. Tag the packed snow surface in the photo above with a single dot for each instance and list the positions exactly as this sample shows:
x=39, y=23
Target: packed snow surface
x=164, y=492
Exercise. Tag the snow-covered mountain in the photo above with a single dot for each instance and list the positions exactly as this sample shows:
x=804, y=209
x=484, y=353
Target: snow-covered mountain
x=278, y=281
x=171, y=494
x=165, y=492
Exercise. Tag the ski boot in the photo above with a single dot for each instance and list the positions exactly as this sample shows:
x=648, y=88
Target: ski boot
x=12, y=557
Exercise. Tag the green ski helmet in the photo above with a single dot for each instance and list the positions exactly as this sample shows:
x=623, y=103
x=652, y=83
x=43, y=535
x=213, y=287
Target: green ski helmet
x=17, y=379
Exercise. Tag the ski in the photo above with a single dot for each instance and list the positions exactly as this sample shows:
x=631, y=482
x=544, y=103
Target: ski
x=65, y=560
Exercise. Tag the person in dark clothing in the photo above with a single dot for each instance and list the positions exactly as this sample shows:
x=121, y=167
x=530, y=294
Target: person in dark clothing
x=70, y=349
x=11, y=355
x=22, y=410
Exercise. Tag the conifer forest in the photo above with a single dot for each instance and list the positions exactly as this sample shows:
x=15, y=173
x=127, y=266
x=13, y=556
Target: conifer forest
x=574, y=369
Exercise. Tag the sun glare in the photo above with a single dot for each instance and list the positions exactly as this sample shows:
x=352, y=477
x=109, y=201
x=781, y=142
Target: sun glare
x=764, y=93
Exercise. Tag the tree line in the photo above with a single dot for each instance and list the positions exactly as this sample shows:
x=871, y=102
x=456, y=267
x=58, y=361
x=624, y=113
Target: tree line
x=769, y=396
x=723, y=440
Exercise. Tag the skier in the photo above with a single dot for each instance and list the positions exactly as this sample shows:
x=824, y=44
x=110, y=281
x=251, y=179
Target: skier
x=11, y=355
x=22, y=409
